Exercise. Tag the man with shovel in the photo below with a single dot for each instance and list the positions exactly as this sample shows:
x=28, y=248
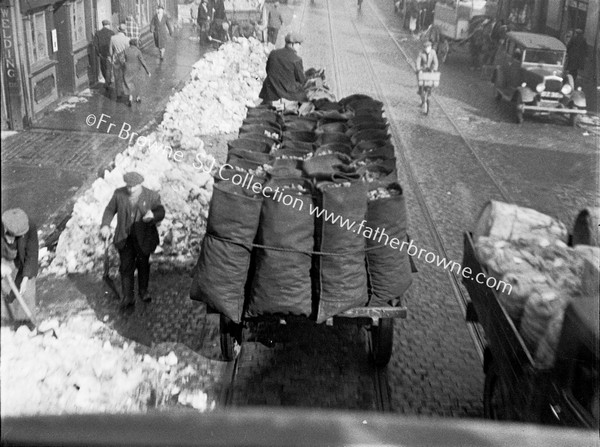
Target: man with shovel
x=138, y=211
x=19, y=263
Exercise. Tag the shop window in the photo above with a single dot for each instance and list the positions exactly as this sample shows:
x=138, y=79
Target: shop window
x=78, y=21
x=38, y=50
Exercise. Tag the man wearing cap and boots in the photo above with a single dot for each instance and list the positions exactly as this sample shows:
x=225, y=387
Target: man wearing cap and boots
x=20, y=261
x=285, y=73
x=138, y=210
x=102, y=47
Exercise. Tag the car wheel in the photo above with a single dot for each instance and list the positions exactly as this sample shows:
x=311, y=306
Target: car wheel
x=519, y=109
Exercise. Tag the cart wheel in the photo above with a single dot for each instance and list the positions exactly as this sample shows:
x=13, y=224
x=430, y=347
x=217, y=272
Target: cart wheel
x=497, y=403
x=519, y=109
x=382, y=341
x=231, y=338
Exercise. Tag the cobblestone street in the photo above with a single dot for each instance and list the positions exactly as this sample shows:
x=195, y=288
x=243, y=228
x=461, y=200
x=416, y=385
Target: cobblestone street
x=450, y=163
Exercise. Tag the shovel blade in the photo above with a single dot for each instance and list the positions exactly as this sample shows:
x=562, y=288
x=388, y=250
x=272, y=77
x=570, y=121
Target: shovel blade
x=112, y=286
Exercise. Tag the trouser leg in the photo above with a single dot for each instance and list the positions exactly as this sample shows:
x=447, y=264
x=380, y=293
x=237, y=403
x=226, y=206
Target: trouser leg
x=127, y=269
x=105, y=68
x=142, y=263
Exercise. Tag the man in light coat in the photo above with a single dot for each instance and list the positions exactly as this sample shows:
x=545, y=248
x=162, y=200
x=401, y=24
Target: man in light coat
x=118, y=44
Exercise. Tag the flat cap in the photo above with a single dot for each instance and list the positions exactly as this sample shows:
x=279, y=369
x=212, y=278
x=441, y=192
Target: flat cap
x=132, y=178
x=105, y=22
x=122, y=27
x=15, y=221
x=293, y=38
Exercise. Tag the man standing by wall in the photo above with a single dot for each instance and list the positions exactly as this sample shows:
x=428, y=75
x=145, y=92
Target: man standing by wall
x=102, y=47
x=138, y=210
x=204, y=17
x=576, y=53
x=274, y=23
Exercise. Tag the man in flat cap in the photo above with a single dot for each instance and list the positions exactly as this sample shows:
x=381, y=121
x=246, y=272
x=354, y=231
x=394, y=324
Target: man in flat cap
x=19, y=260
x=285, y=73
x=138, y=211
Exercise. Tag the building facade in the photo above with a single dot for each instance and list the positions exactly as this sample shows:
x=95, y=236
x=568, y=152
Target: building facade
x=47, y=49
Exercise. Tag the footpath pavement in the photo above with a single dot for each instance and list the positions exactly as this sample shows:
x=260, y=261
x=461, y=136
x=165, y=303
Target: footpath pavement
x=44, y=168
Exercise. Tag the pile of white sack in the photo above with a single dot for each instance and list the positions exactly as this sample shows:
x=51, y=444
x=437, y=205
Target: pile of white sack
x=213, y=102
x=528, y=250
x=78, y=373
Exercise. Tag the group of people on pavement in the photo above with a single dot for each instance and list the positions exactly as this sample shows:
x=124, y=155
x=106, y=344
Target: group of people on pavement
x=211, y=20
x=121, y=60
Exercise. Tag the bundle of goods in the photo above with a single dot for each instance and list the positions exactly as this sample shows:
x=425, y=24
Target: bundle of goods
x=79, y=373
x=320, y=216
x=528, y=251
x=222, y=84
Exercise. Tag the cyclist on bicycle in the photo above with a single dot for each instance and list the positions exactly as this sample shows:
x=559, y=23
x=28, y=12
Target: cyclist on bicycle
x=426, y=61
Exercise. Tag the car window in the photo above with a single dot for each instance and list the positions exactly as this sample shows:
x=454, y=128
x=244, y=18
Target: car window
x=548, y=57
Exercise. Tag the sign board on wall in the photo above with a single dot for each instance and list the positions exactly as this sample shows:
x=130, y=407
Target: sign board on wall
x=54, y=41
x=10, y=69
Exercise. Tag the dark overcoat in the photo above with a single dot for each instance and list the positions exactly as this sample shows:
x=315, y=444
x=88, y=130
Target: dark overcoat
x=285, y=76
x=145, y=232
x=161, y=30
x=102, y=41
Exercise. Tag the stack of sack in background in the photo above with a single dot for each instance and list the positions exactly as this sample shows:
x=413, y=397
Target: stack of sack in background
x=529, y=251
x=266, y=253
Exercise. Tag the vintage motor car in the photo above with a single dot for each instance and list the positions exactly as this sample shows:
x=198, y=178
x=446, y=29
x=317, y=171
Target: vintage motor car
x=529, y=72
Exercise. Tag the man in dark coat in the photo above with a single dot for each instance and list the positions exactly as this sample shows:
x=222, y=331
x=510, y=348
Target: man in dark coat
x=102, y=47
x=285, y=73
x=138, y=210
x=204, y=18
x=161, y=28
x=576, y=53
x=19, y=260
x=134, y=62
